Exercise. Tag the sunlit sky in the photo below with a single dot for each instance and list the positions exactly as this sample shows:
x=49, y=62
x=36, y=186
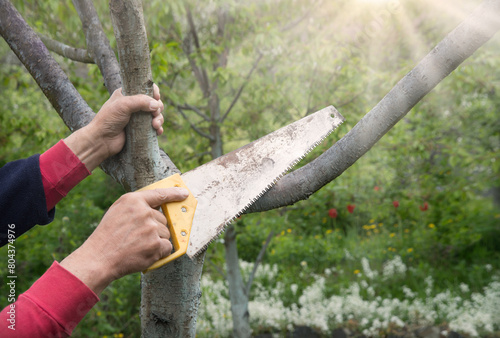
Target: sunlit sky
x=374, y=21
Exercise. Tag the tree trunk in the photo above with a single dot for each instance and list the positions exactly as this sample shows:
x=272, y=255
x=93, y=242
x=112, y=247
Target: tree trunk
x=216, y=149
x=170, y=295
x=237, y=295
x=140, y=156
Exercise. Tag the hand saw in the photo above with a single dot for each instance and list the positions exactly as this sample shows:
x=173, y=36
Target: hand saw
x=222, y=189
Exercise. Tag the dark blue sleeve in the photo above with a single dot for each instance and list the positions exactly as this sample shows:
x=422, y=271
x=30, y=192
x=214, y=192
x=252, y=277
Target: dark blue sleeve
x=22, y=198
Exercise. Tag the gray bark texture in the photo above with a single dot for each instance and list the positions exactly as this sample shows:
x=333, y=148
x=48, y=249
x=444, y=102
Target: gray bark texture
x=170, y=295
x=455, y=48
x=98, y=44
x=75, y=54
x=140, y=156
x=237, y=295
x=49, y=76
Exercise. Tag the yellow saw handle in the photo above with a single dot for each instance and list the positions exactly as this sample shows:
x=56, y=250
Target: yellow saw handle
x=179, y=219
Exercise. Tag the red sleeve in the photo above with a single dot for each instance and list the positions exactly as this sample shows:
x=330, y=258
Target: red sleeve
x=52, y=307
x=61, y=170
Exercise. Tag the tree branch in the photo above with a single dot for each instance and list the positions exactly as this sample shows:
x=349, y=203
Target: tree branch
x=53, y=82
x=240, y=90
x=195, y=128
x=300, y=19
x=460, y=44
x=257, y=263
x=195, y=109
x=218, y=269
x=204, y=83
x=47, y=73
x=197, y=155
x=222, y=17
x=98, y=44
x=75, y=54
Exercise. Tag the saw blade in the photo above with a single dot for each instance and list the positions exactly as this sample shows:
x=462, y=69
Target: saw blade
x=228, y=185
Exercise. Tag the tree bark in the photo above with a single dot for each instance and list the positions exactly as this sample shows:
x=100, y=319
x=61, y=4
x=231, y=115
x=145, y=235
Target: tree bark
x=237, y=295
x=75, y=54
x=140, y=156
x=98, y=44
x=170, y=295
x=47, y=73
x=455, y=48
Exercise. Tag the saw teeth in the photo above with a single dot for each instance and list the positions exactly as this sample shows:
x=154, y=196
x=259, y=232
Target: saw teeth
x=226, y=224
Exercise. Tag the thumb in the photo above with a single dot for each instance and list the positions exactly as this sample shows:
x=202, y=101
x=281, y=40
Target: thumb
x=157, y=197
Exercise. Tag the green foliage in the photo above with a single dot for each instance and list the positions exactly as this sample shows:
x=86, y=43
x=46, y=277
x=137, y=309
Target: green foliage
x=444, y=152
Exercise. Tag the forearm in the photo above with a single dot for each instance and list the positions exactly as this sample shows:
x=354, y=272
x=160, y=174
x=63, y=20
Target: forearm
x=88, y=146
x=88, y=266
x=53, y=306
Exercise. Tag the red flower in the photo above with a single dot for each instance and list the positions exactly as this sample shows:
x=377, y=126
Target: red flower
x=376, y=188
x=332, y=213
x=350, y=208
x=424, y=207
x=396, y=204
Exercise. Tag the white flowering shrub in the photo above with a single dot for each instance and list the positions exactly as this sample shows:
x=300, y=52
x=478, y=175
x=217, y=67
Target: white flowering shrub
x=470, y=313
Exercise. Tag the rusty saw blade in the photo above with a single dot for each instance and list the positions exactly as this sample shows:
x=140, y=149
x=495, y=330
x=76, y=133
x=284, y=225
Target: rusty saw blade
x=222, y=189
x=228, y=185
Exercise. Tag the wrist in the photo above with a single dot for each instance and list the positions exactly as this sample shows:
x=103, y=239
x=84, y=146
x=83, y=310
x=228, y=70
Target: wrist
x=88, y=147
x=89, y=269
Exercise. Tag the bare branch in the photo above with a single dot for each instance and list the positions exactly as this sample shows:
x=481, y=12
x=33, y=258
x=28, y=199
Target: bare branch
x=460, y=44
x=195, y=128
x=198, y=73
x=240, y=90
x=75, y=54
x=218, y=269
x=205, y=153
x=257, y=263
x=47, y=73
x=300, y=19
x=222, y=17
x=187, y=106
x=98, y=44
x=204, y=84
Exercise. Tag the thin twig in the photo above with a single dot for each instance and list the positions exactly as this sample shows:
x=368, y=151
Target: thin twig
x=187, y=106
x=247, y=78
x=299, y=20
x=217, y=268
x=197, y=155
x=72, y=53
x=194, y=33
x=257, y=262
x=195, y=128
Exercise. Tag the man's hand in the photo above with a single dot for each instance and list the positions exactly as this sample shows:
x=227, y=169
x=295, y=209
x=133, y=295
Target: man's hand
x=104, y=136
x=132, y=236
